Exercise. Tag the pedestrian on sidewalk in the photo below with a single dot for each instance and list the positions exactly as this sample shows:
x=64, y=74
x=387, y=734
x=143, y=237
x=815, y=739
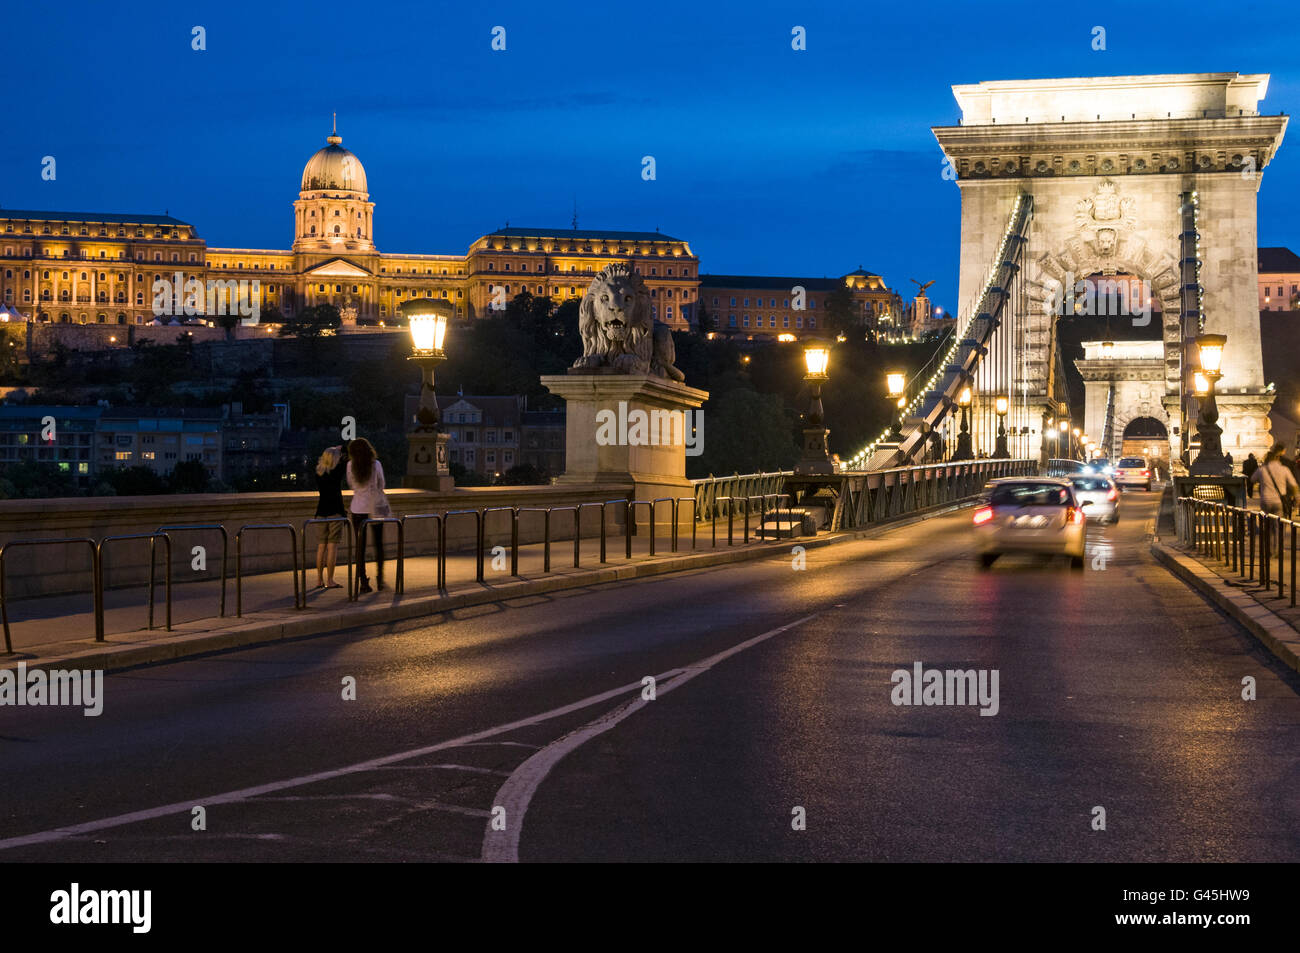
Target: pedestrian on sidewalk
x=1277, y=484
x=366, y=479
x=1248, y=470
x=330, y=470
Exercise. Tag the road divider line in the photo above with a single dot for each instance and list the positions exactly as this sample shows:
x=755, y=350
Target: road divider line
x=244, y=794
x=502, y=846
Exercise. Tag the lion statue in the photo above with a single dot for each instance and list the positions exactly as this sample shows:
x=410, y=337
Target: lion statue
x=618, y=331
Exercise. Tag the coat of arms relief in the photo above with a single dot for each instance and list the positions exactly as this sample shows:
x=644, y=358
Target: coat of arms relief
x=1103, y=216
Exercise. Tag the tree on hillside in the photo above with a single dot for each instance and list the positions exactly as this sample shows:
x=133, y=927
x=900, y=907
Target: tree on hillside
x=841, y=314
x=311, y=323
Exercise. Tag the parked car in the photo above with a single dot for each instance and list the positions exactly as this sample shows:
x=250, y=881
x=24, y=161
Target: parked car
x=1030, y=515
x=1100, y=494
x=1134, y=471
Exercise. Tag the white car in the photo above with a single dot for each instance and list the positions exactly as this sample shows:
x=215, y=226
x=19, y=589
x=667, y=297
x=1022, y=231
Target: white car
x=1134, y=471
x=1030, y=515
x=1099, y=494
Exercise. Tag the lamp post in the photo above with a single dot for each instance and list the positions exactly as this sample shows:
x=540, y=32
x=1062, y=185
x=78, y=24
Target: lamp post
x=964, y=449
x=1210, y=461
x=1001, y=405
x=816, y=457
x=896, y=381
x=426, y=461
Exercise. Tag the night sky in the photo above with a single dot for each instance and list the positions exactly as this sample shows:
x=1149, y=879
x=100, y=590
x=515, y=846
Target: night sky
x=769, y=161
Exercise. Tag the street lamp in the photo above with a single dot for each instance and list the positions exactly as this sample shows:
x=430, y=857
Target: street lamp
x=816, y=455
x=1210, y=461
x=1001, y=405
x=896, y=381
x=426, y=466
x=964, y=449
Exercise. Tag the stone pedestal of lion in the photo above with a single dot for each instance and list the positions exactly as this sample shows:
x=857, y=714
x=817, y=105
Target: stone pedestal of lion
x=630, y=418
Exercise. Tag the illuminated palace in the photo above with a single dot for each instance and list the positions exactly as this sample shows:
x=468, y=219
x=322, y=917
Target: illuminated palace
x=93, y=268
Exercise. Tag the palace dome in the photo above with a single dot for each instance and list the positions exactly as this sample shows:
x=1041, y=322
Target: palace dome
x=334, y=167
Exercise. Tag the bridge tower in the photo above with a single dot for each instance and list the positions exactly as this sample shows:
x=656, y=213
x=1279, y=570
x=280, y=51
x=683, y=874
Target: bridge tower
x=1151, y=178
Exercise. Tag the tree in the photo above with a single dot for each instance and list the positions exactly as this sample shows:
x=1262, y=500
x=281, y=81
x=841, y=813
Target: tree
x=311, y=323
x=704, y=322
x=523, y=474
x=28, y=479
x=134, y=481
x=190, y=476
x=745, y=432
x=841, y=315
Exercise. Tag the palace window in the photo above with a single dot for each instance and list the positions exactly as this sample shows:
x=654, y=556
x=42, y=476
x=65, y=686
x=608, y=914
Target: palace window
x=745, y=320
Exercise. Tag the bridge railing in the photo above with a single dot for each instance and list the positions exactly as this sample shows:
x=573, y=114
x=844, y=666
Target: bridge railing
x=875, y=496
x=712, y=492
x=1255, y=545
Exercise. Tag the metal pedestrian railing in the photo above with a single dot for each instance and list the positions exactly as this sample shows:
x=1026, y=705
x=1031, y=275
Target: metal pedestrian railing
x=152, y=538
x=239, y=562
x=348, y=530
x=96, y=587
x=225, y=550
x=1255, y=545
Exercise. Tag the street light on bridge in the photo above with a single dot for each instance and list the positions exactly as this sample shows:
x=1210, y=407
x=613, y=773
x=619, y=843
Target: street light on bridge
x=896, y=381
x=964, y=449
x=816, y=455
x=1001, y=405
x=1210, y=461
x=426, y=466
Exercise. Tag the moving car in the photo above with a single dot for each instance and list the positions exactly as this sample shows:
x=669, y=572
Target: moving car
x=1061, y=467
x=1030, y=515
x=1100, y=465
x=1134, y=471
x=1100, y=493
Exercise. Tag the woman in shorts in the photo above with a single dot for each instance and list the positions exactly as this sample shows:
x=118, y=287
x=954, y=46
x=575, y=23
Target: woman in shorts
x=330, y=470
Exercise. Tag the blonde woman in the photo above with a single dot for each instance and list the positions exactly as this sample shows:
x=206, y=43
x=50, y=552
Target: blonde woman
x=329, y=484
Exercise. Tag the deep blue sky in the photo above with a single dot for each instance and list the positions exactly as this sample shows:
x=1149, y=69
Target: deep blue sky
x=769, y=161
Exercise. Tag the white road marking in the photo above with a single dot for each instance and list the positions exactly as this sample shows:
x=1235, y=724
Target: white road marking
x=243, y=794
x=516, y=794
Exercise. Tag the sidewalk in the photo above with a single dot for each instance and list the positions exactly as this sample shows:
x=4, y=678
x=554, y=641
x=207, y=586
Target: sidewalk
x=59, y=631
x=1272, y=620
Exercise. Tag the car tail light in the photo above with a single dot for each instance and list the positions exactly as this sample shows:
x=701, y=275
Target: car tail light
x=983, y=515
x=1113, y=494
x=1074, y=515
x=1146, y=473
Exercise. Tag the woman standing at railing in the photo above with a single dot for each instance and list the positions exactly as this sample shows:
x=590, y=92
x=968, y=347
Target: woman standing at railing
x=329, y=484
x=366, y=479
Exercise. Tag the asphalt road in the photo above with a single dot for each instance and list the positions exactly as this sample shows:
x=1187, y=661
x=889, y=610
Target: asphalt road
x=1118, y=688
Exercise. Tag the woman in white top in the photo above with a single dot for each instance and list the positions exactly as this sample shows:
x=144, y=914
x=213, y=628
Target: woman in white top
x=366, y=479
x=1277, y=484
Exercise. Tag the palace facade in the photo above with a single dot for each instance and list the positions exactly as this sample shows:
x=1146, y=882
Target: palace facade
x=94, y=268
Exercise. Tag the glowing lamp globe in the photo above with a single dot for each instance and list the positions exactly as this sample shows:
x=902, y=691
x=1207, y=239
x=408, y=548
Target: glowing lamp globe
x=1210, y=347
x=817, y=358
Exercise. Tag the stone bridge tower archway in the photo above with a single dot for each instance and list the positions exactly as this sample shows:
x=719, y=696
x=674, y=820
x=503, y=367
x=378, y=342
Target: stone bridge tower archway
x=1128, y=174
